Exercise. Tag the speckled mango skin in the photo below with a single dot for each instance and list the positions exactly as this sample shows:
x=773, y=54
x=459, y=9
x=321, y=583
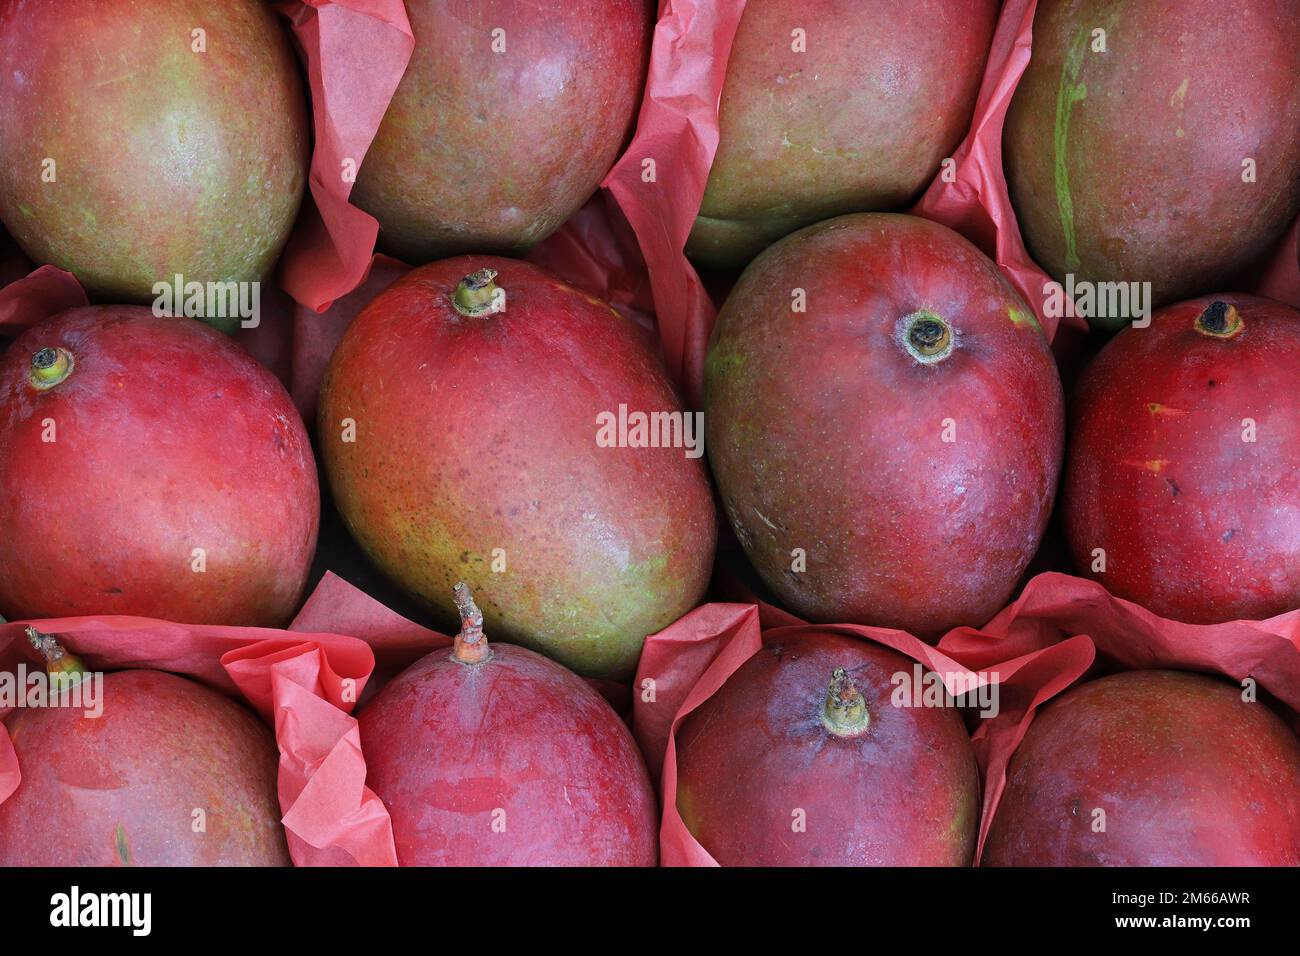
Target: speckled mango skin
x=121, y=789
x=517, y=734
x=1186, y=772
x=1196, y=523
x=827, y=435
x=167, y=437
x=168, y=161
x=858, y=122
x=484, y=151
x=903, y=793
x=479, y=433
x=1127, y=165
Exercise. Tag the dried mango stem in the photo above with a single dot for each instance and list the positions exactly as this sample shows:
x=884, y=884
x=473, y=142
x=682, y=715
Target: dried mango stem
x=471, y=645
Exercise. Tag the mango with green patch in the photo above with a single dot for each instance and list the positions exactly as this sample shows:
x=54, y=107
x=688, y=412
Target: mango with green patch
x=832, y=107
x=459, y=424
x=1156, y=142
x=148, y=139
x=506, y=120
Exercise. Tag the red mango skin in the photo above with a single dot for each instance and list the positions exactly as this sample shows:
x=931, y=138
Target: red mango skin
x=167, y=160
x=484, y=151
x=121, y=789
x=516, y=741
x=1187, y=773
x=1128, y=165
x=857, y=122
x=167, y=437
x=475, y=434
x=827, y=435
x=1197, y=524
x=903, y=793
